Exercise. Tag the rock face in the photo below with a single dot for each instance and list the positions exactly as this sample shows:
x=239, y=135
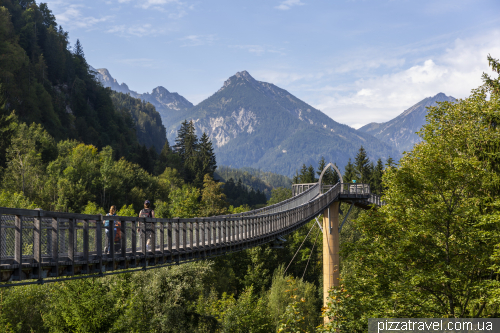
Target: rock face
x=400, y=131
x=170, y=106
x=257, y=124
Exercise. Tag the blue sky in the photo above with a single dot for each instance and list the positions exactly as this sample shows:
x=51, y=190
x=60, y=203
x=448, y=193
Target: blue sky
x=358, y=61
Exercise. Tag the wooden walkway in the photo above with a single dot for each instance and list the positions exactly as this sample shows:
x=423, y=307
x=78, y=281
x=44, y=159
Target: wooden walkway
x=42, y=246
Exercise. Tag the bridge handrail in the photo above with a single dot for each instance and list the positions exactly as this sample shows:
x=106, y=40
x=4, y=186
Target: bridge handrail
x=278, y=207
x=56, y=243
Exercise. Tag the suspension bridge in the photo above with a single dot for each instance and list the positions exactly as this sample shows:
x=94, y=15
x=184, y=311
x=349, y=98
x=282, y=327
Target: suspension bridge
x=39, y=246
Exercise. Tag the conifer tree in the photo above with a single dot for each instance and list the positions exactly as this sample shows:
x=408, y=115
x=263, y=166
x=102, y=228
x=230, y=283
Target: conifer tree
x=350, y=172
x=362, y=166
x=376, y=185
x=207, y=156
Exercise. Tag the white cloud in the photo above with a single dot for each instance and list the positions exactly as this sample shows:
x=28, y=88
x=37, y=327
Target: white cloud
x=73, y=17
x=287, y=4
x=258, y=49
x=380, y=98
x=197, y=40
x=283, y=77
x=138, y=30
x=155, y=3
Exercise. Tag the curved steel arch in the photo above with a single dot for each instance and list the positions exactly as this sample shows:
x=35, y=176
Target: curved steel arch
x=338, y=172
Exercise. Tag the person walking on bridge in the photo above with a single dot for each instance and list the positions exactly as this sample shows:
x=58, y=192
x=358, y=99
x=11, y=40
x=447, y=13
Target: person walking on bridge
x=109, y=241
x=148, y=212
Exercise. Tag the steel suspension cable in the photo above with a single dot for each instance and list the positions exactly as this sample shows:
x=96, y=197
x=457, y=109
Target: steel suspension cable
x=299, y=249
x=310, y=254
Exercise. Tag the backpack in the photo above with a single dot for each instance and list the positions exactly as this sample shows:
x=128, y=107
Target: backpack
x=146, y=212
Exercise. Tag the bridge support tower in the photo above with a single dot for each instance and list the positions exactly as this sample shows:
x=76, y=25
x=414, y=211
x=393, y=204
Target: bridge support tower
x=331, y=247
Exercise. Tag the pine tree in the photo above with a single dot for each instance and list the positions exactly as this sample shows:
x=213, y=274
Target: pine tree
x=310, y=175
x=78, y=49
x=362, y=166
x=350, y=172
x=376, y=185
x=390, y=162
x=207, y=156
x=180, y=141
x=7, y=129
x=187, y=147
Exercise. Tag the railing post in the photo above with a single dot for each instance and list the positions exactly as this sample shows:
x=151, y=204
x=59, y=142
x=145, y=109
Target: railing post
x=169, y=238
x=37, y=246
x=86, y=246
x=143, y=238
x=218, y=240
x=213, y=237
x=177, y=239
x=152, y=236
x=71, y=246
x=98, y=242
x=209, y=237
x=55, y=246
x=184, y=235
x=162, y=241
x=123, y=242
x=18, y=247
x=142, y=235
x=198, y=238
x=134, y=241
x=111, y=233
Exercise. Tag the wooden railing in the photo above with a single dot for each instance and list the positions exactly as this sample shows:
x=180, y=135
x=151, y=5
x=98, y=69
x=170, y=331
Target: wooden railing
x=36, y=244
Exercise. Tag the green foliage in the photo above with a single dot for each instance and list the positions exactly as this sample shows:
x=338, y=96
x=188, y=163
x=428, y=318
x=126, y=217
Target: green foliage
x=127, y=211
x=197, y=156
x=238, y=194
x=184, y=202
x=239, y=209
x=27, y=157
x=15, y=200
x=22, y=308
x=212, y=199
x=254, y=178
x=248, y=313
x=431, y=251
x=336, y=311
x=48, y=84
x=279, y=194
x=292, y=304
x=148, y=125
x=85, y=305
x=92, y=209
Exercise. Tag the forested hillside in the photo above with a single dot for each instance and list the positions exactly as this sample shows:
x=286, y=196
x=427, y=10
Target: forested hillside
x=46, y=81
x=148, y=125
x=254, y=178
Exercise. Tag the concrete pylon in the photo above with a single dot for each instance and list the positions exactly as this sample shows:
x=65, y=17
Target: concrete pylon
x=331, y=247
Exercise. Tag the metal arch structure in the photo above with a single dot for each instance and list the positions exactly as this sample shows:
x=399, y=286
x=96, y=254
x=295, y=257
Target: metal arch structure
x=42, y=246
x=323, y=172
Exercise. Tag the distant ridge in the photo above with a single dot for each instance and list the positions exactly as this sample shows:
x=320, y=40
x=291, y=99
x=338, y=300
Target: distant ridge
x=400, y=131
x=170, y=106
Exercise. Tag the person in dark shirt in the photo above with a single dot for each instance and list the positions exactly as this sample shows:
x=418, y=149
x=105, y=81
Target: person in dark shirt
x=148, y=212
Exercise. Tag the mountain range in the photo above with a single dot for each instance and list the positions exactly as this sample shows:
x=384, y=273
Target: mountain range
x=168, y=105
x=400, y=131
x=257, y=124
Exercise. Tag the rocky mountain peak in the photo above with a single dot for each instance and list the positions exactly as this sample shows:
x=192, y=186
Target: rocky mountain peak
x=239, y=75
x=161, y=91
x=244, y=75
x=400, y=132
